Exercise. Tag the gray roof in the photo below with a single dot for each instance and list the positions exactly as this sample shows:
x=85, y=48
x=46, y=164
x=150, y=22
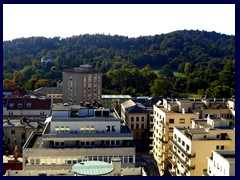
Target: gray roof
x=228, y=154
x=49, y=90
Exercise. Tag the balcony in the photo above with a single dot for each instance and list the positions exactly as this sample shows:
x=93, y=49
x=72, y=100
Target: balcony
x=172, y=172
x=174, y=164
x=151, y=152
x=188, y=167
x=205, y=173
x=192, y=155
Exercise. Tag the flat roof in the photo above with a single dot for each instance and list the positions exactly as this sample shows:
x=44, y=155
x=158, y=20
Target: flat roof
x=93, y=168
x=229, y=154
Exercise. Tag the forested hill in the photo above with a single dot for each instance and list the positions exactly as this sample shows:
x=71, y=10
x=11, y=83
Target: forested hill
x=105, y=50
x=174, y=51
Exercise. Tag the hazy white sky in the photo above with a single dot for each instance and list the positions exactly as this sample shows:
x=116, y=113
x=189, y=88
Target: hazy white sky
x=132, y=20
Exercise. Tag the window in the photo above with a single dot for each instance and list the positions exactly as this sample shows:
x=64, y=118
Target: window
x=132, y=119
x=182, y=121
x=142, y=118
x=108, y=128
x=175, y=136
x=171, y=121
x=12, y=131
x=113, y=128
x=62, y=128
x=130, y=159
x=87, y=129
x=19, y=105
x=137, y=126
x=11, y=105
x=179, y=139
x=218, y=136
x=142, y=126
x=183, y=143
x=187, y=147
x=82, y=129
x=28, y=105
x=67, y=129
x=92, y=128
x=217, y=147
x=23, y=136
x=204, y=136
x=132, y=126
x=222, y=147
x=117, y=142
x=137, y=119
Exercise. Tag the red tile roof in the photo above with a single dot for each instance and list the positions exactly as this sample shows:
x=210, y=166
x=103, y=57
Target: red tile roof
x=36, y=103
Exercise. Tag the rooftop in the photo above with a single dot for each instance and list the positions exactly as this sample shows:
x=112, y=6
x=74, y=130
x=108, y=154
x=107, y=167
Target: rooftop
x=116, y=97
x=49, y=90
x=229, y=155
x=27, y=102
x=62, y=172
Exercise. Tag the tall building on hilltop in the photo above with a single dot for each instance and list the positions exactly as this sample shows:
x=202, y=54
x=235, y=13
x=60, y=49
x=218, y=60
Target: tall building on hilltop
x=82, y=84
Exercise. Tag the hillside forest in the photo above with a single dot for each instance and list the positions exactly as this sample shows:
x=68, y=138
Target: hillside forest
x=175, y=64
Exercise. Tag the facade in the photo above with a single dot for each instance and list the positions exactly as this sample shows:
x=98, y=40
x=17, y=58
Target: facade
x=28, y=106
x=16, y=132
x=82, y=84
x=221, y=163
x=191, y=146
x=75, y=134
x=114, y=101
x=171, y=113
x=136, y=116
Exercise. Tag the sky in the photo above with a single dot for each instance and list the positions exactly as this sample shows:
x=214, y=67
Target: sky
x=132, y=20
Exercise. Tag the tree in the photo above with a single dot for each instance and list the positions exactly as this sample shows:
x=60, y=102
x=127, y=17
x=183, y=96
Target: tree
x=41, y=83
x=187, y=68
x=159, y=88
x=166, y=71
x=17, y=78
x=8, y=84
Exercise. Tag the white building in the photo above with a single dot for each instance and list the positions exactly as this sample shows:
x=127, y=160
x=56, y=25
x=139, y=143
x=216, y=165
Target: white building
x=74, y=134
x=221, y=163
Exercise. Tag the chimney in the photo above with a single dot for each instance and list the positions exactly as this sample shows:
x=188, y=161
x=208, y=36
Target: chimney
x=116, y=162
x=183, y=111
x=16, y=153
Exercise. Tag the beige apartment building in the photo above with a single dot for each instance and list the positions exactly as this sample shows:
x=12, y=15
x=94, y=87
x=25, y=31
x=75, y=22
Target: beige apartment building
x=82, y=84
x=191, y=146
x=136, y=117
x=171, y=113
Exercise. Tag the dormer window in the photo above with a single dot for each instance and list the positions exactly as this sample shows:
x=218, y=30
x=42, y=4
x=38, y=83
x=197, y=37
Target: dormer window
x=28, y=105
x=11, y=105
x=19, y=105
